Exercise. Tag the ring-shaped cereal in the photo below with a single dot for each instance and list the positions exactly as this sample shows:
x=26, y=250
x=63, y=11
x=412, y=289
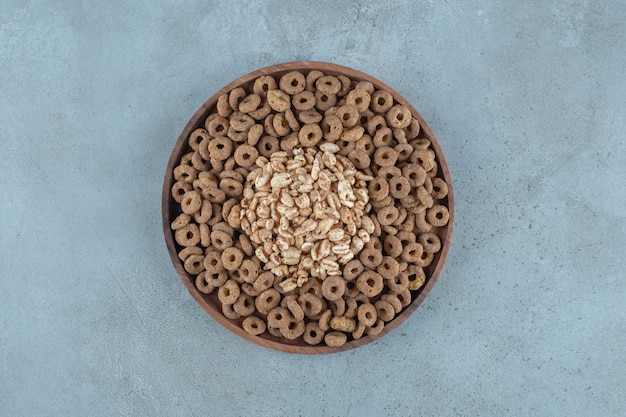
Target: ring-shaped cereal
x=383, y=137
x=216, y=279
x=399, y=187
x=335, y=339
x=346, y=84
x=254, y=325
x=313, y=335
x=232, y=258
x=205, y=212
x=412, y=252
x=231, y=187
x=367, y=314
x=263, y=84
x=294, y=307
x=328, y=84
x=250, y=103
x=370, y=258
x=333, y=287
x=366, y=145
x=193, y=264
x=217, y=126
x=370, y=283
x=181, y=221
x=222, y=106
x=278, y=100
x=185, y=173
x=235, y=96
x=404, y=296
x=388, y=268
x=343, y=324
x=289, y=142
x=229, y=312
x=303, y=101
x=280, y=124
x=404, y=151
x=413, y=129
x=359, y=158
x=191, y=202
x=332, y=127
x=246, y=155
x=244, y=305
x=398, y=282
x=249, y=271
x=213, y=261
x=415, y=277
x=248, y=288
x=274, y=331
x=292, y=83
x=179, y=189
x=189, y=250
x=345, y=147
x=359, y=98
x=352, y=134
x=199, y=163
x=311, y=78
x=393, y=299
x=220, y=147
x=392, y=246
x=311, y=304
x=324, y=319
x=196, y=137
x=430, y=242
x=438, y=215
x=188, y=235
x=310, y=116
x=202, y=285
x=440, y=188
x=229, y=292
x=278, y=317
x=268, y=145
x=221, y=240
x=385, y=310
x=293, y=330
x=338, y=306
x=415, y=174
x=351, y=307
x=376, y=328
x=425, y=260
x=264, y=281
x=385, y=156
x=267, y=300
x=351, y=289
x=352, y=269
x=262, y=112
x=324, y=101
x=292, y=120
x=387, y=215
x=399, y=116
x=378, y=189
x=241, y=122
x=310, y=135
x=254, y=134
x=348, y=114
x=424, y=158
x=375, y=124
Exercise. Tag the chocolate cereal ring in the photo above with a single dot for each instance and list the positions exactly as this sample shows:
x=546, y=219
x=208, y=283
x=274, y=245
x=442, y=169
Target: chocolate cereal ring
x=293, y=329
x=313, y=335
x=370, y=283
x=399, y=187
x=246, y=155
x=179, y=189
x=244, y=305
x=263, y=84
x=398, y=116
x=193, y=264
x=254, y=326
x=202, y=285
x=221, y=240
x=335, y=339
x=216, y=279
x=328, y=84
x=229, y=292
x=278, y=317
x=359, y=98
x=310, y=135
x=267, y=300
x=438, y=215
x=392, y=246
x=387, y=215
x=303, y=101
x=232, y=258
x=311, y=304
x=268, y=145
x=378, y=189
x=188, y=235
x=388, y=268
x=412, y=252
x=385, y=310
x=367, y=314
x=229, y=312
x=430, y=242
x=292, y=83
x=333, y=287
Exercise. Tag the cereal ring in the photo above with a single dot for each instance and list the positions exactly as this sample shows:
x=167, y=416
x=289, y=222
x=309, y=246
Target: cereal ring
x=370, y=283
x=278, y=100
x=432, y=173
x=218, y=126
x=332, y=127
x=221, y=240
x=229, y=292
x=280, y=124
x=241, y=122
x=366, y=145
x=425, y=260
x=375, y=244
x=264, y=281
x=232, y=187
x=202, y=285
x=381, y=101
x=246, y=155
x=235, y=96
x=367, y=314
x=205, y=235
x=292, y=120
x=303, y=101
x=359, y=158
x=345, y=147
x=289, y=142
x=222, y=107
x=313, y=335
x=420, y=222
x=246, y=245
x=411, y=252
x=349, y=115
x=191, y=202
x=400, y=136
x=338, y=306
x=324, y=320
x=267, y=300
x=399, y=187
x=342, y=324
x=415, y=277
x=392, y=246
x=213, y=262
x=263, y=84
x=324, y=101
x=402, y=213
x=424, y=158
x=352, y=269
x=268, y=125
x=268, y=145
x=254, y=134
x=404, y=296
x=385, y=310
x=351, y=307
x=404, y=151
x=312, y=286
x=438, y=215
x=398, y=282
x=311, y=78
x=378, y=189
x=406, y=237
x=310, y=135
x=430, y=242
x=187, y=251
x=193, y=264
x=188, y=235
x=292, y=83
x=232, y=258
x=370, y=258
x=250, y=103
x=254, y=326
x=249, y=271
x=229, y=312
x=181, y=221
x=333, y=287
x=413, y=129
x=393, y=299
x=205, y=212
x=294, y=308
x=440, y=188
x=359, y=98
x=375, y=124
x=385, y=156
x=262, y=112
x=399, y=116
x=328, y=85
x=244, y=305
x=293, y=329
x=388, y=268
x=335, y=339
x=376, y=328
x=179, y=189
x=415, y=174
x=278, y=317
x=360, y=330
x=220, y=148
x=274, y=331
x=353, y=134
x=311, y=304
x=389, y=229
x=216, y=279
x=196, y=137
x=310, y=116
x=351, y=289
x=248, y=288
x=383, y=137
x=185, y=173
x=387, y=215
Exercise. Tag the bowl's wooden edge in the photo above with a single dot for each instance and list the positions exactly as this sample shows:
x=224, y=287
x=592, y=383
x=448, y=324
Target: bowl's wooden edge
x=165, y=200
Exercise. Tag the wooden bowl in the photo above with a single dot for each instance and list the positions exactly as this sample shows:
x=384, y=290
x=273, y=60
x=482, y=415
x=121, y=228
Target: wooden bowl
x=210, y=303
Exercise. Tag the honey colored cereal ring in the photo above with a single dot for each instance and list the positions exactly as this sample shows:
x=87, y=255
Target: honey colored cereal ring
x=220, y=147
x=179, y=189
x=221, y=240
x=360, y=99
x=274, y=331
x=309, y=116
x=229, y=292
x=388, y=268
x=430, y=242
x=405, y=297
x=438, y=215
x=292, y=120
x=188, y=235
x=213, y=261
x=311, y=304
x=292, y=83
x=383, y=137
x=352, y=269
x=181, y=221
x=440, y=189
x=375, y=124
x=235, y=96
x=313, y=335
x=250, y=103
x=411, y=252
x=424, y=158
x=263, y=84
x=281, y=125
x=246, y=155
x=328, y=84
x=303, y=101
x=413, y=129
x=370, y=258
x=202, y=285
x=335, y=339
x=332, y=127
x=244, y=305
x=359, y=332
x=293, y=330
x=249, y=271
x=338, y=306
x=204, y=214
x=278, y=317
x=345, y=147
x=191, y=202
x=278, y=100
x=216, y=279
x=187, y=251
x=196, y=137
x=349, y=115
x=214, y=195
x=415, y=174
x=406, y=237
x=193, y=264
x=324, y=101
x=333, y=288
x=385, y=156
x=415, y=277
x=232, y=258
x=378, y=189
x=268, y=145
x=376, y=328
x=370, y=283
x=398, y=282
x=222, y=106
x=399, y=187
x=420, y=222
x=254, y=325
x=374, y=244
x=402, y=213
x=264, y=281
x=268, y=125
x=398, y=116
x=343, y=324
x=310, y=135
x=185, y=173
x=425, y=260
x=267, y=300
x=385, y=310
x=387, y=215
x=392, y=246
x=367, y=314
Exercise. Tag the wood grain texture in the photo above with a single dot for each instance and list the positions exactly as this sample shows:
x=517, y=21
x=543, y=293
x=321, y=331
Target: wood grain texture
x=210, y=303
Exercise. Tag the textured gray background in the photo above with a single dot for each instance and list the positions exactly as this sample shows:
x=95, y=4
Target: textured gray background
x=528, y=100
